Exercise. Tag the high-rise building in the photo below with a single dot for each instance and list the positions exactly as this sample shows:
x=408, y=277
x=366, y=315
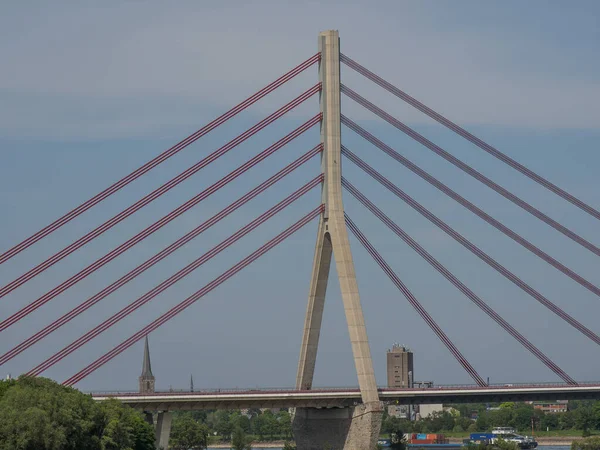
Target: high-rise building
x=146, y=379
x=400, y=371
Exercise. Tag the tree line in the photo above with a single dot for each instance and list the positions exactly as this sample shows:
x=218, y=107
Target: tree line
x=581, y=415
x=39, y=414
x=196, y=429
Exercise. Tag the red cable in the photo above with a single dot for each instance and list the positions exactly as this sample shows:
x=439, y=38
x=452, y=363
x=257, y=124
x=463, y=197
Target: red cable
x=458, y=284
x=414, y=302
x=157, y=225
x=193, y=298
x=471, y=207
x=464, y=133
x=158, y=257
x=174, y=278
x=156, y=193
x=158, y=159
x=469, y=170
x=468, y=245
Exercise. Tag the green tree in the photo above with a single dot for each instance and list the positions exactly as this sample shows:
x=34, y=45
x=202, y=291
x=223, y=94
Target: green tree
x=584, y=418
x=39, y=414
x=566, y=421
x=240, y=441
x=284, y=424
x=222, y=424
x=5, y=385
x=187, y=433
x=482, y=422
x=124, y=428
x=509, y=405
x=36, y=413
x=522, y=415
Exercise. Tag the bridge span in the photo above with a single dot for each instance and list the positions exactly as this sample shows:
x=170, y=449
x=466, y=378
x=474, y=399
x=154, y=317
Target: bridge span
x=344, y=397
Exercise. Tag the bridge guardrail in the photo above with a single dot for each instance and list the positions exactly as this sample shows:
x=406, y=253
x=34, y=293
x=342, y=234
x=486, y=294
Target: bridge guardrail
x=238, y=390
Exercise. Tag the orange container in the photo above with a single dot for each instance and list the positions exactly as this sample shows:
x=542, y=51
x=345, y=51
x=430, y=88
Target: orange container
x=432, y=437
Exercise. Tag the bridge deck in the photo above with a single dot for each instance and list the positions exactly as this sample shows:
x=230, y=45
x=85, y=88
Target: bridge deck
x=332, y=398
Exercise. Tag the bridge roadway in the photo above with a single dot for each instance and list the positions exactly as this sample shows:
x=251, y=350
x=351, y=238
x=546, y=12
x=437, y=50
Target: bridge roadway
x=341, y=397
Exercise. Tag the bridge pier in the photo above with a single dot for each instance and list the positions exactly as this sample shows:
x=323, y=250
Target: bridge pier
x=163, y=429
x=353, y=428
x=149, y=418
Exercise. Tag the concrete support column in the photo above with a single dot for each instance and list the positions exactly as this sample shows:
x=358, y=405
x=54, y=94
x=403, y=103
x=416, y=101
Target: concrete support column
x=333, y=238
x=347, y=428
x=163, y=429
x=314, y=311
x=149, y=418
x=355, y=428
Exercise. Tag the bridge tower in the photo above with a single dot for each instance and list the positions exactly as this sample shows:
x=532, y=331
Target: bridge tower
x=358, y=428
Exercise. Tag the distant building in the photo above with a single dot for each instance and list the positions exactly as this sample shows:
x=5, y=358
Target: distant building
x=552, y=407
x=399, y=411
x=427, y=410
x=400, y=371
x=146, y=379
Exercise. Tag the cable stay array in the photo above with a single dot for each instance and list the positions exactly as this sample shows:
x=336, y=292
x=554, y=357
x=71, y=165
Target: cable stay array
x=470, y=206
x=469, y=170
x=165, y=188
x=457, y=283
x=159, y=256
x=158, y=224
x=470, y=137
x=414, y=302
x=400, y=233
x=466, y=243
x=160, y=158
x=176, y=277
x=111, y=288
x=315, y=180
x=194, y=297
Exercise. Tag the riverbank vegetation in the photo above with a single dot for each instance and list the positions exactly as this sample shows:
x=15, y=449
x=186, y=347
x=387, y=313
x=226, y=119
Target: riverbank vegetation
x=191, y=428
x=591, y=443
x=39, y=414
x=582, y=419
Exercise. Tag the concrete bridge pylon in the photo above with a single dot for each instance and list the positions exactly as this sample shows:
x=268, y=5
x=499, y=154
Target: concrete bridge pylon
x=355, y=428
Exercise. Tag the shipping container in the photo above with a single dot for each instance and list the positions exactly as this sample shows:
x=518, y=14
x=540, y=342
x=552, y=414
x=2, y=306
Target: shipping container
x=421, y=436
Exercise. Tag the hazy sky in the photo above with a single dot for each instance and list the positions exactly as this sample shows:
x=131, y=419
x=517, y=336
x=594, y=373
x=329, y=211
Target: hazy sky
x=89, y=92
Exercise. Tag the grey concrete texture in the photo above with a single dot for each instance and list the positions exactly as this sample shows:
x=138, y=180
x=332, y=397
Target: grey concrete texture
x=333, y=237
x=163, y=429
x=354, y=428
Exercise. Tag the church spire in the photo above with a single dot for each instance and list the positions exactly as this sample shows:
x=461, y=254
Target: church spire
x=146, y=380
x=147, y=366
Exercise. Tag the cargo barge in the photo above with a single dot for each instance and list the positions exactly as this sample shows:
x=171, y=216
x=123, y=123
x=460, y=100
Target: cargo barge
x=439, y=441
x=425, y=441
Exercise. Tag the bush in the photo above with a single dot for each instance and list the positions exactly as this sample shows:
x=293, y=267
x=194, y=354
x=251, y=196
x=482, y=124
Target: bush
x=591, y=443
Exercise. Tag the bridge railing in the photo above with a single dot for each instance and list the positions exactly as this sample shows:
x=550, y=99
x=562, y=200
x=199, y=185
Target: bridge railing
x=267, y=390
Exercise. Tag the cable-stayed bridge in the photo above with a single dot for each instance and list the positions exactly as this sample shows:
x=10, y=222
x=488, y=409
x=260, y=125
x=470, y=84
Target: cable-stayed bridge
x=356, y=413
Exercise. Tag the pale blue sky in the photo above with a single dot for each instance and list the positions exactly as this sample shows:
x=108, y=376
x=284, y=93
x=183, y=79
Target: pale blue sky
x=88, y=93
